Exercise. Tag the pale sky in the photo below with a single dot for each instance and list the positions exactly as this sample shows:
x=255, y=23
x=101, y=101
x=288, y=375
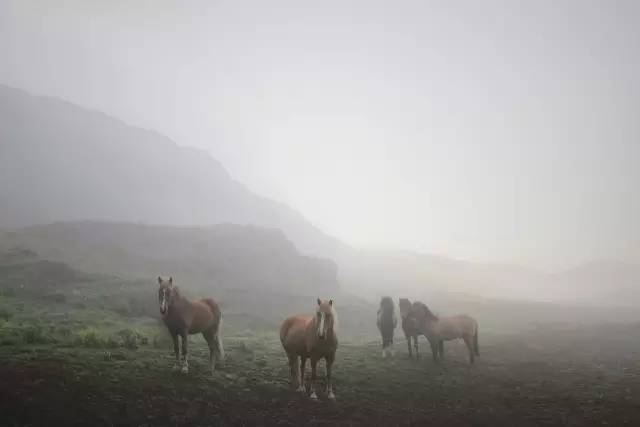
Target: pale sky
x=484, y=130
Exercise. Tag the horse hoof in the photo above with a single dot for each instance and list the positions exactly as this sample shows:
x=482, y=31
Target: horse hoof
x=331, y=396
x=313, y=396
x=301, y=389
x=185, y=369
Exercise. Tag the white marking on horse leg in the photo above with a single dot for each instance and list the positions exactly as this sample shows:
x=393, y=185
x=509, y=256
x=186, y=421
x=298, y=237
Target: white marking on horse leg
x=331, y=396
x=313, y=395
x=185, y=365
x=221, y=354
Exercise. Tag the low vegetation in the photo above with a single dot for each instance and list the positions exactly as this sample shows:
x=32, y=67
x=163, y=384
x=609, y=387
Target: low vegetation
x=95, y=352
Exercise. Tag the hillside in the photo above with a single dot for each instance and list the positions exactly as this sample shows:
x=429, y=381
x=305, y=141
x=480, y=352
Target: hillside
x=60, y=162
x=218, y=257
x=63, y=163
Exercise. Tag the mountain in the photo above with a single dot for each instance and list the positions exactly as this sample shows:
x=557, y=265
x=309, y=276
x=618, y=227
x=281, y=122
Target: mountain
x=223, y=256
x=61, y=162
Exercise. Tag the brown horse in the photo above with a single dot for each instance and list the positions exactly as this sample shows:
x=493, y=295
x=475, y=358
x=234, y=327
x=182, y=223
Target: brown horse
x=440, y=329
x=386, y=322
x=311, y=337
x=184, y=317
x=409, y=325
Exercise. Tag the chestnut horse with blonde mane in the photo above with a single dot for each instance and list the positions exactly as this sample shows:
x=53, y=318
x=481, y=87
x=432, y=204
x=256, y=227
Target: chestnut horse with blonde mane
x=184, y=318
x=311, y=337
x=439, y=329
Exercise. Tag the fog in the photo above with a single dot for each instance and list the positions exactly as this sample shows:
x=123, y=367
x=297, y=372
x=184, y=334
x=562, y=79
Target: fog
x=199, y=197
x=493, y=132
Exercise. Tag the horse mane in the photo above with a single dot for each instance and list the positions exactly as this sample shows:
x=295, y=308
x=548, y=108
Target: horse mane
x=334, y=315
x=428, y=313
x=386, y=305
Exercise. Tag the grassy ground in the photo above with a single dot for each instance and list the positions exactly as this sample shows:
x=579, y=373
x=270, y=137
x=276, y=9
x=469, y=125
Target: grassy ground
x=92, y=353
x=550, y=378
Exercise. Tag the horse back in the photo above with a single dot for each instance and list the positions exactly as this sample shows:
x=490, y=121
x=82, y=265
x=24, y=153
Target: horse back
x=457, y=326
x=293, y=333
x=206, y=314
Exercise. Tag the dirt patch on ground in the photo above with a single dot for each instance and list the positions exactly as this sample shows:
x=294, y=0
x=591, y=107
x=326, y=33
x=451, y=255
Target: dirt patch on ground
x=514, y=383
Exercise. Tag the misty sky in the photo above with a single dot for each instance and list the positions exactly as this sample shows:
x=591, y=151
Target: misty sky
x=487, y=130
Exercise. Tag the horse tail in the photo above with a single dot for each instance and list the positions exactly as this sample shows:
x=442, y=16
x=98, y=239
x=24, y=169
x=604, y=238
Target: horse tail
x=476, y=348
x=284, y=330
x=215, y=309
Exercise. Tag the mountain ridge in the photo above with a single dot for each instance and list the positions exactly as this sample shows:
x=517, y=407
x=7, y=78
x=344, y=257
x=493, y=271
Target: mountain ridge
x=53, y=136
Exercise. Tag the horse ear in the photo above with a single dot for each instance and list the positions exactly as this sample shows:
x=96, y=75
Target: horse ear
x=159, y=280
x=171, y=280
x=331, y=302
x=319, y=302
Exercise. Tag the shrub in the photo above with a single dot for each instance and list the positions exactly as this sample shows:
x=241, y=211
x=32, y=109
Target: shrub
x=162, y=340
x=35, y=335
x=131, y=338
x=90, y=338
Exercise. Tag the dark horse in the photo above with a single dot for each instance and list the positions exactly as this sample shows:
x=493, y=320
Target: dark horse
x=184, y=317
x=409, y=325
x=387, y=322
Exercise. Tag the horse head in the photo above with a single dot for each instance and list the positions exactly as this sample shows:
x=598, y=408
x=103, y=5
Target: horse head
x=405, y=307
x=166, y=293
x=325, y=318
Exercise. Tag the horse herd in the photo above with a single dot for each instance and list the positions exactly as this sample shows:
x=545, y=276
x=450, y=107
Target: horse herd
x=311, y=337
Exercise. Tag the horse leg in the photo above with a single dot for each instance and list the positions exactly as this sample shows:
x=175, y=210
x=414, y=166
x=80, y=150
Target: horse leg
x=303, y=365
x=314, y=364
x=185, y=354
x=176, y=350
x=408, y=337
x=293, y=368
x=434, y=349
x=214, y=348
x=468, y=340
x=329, y=362
x=441, y=349
x=218, y=348
x=384, y=347
x=415, y=344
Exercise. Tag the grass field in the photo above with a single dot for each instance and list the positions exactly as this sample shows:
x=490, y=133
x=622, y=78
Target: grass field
x=95, y=353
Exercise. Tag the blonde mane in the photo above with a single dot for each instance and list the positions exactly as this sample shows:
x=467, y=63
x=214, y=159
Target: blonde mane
x=334, y=315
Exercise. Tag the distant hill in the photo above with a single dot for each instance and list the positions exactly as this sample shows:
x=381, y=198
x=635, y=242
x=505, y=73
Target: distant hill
x=435, y=277
x=61, y=162
x=221, y=257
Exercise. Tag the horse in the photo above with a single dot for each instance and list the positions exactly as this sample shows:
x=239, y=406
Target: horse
x=437, y=330
x=183, y=318
x=311, y=337
x=387, y=322
x=409, y=325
